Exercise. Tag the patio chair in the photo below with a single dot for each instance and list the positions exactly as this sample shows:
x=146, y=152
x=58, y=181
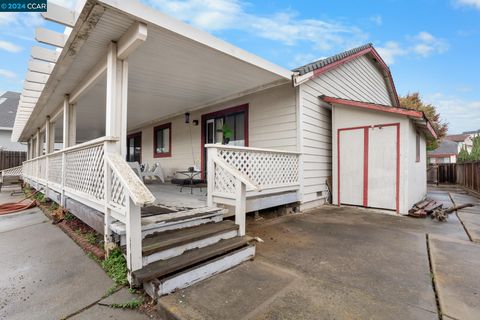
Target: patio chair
x=136, y=168
x=155, y=173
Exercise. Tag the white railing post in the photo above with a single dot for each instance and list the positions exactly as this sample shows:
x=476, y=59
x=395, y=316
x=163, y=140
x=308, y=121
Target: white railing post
x=211, y=152
x=108, y=243
x=64, y=174
x=240, y=206
x=134, y=237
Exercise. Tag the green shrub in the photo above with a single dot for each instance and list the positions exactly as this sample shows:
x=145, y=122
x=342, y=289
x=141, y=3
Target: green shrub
x=116, y=267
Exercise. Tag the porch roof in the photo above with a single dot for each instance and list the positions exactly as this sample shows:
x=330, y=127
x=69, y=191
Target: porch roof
x=178, y=68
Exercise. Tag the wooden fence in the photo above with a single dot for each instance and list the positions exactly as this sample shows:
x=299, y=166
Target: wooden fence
x=468, y=175
x=442, y=173
x=10, y=159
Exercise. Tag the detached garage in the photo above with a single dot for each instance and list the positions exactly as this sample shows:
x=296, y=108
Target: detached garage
x=380, y=155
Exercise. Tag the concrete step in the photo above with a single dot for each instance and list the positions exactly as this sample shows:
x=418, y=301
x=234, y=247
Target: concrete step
x=165, y=276
x=172, y=243
x=171, y=221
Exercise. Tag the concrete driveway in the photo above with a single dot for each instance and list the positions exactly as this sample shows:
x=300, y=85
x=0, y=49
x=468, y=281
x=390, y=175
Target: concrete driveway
x=338, y=263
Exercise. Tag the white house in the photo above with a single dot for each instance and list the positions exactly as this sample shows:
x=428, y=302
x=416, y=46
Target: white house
x=128, y=82
x=8, y=110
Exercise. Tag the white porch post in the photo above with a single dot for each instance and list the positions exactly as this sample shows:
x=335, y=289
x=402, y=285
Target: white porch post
x=48, y=134
x=29, y=149
x=69, y=123
x=67, y=126
x=211, y=152
x=38, y=145
x=240, y=206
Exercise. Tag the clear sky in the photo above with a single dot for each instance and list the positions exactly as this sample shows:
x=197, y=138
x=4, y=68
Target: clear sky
x=431, y=46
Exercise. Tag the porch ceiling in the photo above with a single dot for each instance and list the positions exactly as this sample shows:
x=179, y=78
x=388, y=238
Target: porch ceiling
x=177, y=69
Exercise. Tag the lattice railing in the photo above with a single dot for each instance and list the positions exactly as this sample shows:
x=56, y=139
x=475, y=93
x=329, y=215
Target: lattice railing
x=265, y=168
x=12, y=172
x=55, y=168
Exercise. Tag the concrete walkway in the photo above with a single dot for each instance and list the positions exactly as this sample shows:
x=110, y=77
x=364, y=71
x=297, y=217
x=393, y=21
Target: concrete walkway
x=343, y=263
x=45, y=275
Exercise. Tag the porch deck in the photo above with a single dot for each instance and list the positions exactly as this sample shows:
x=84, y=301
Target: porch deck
x=169, y=195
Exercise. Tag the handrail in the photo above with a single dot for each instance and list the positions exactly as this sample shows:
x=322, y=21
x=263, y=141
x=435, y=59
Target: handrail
x=136, y=189
x=236, y=173
x=223, y=146
x=14, y=171
x=76, y=147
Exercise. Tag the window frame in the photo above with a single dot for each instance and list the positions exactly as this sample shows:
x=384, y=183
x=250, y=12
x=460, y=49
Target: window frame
x=162, y=154
x=135, y=135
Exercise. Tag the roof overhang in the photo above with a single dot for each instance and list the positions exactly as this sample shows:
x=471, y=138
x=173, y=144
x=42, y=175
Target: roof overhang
x=177, y=68
x=299, y=79
x=419, y=118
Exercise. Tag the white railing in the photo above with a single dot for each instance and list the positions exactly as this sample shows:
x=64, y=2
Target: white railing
x=94, y=175
x=237, y=173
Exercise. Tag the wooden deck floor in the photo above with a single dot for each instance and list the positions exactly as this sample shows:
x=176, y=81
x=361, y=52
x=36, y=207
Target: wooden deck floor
x=169, y=195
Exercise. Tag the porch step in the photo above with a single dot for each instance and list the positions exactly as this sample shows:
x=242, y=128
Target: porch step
x=172, y=221
x=173, y=243
x=165, y=276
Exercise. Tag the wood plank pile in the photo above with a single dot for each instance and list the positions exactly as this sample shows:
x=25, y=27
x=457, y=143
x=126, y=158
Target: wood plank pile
x=434, y=209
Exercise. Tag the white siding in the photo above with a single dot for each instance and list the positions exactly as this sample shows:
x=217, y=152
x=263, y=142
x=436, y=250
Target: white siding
x=272, y=124
x=358, y=80
x=417, y=171
x=7, y=144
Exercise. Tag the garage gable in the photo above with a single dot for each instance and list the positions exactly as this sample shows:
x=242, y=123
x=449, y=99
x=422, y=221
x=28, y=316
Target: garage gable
x=359, y=74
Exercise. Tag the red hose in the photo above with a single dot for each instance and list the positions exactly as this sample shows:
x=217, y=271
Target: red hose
x=11, y=207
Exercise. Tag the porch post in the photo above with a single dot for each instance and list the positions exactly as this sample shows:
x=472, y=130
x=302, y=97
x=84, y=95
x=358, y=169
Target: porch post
x=48, y=136
x=29, y=149
x=48, y=150
x=240, y=206
x=211, y=152
x=38, y=145
x=66, y=144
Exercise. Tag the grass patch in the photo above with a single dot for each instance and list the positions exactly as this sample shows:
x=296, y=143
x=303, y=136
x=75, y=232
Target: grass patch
x=69, y=216
x=116, y=267
x=132, y=304
x=91, y=237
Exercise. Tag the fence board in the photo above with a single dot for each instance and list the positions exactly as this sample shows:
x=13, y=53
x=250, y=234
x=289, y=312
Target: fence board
x=10, y=159
x=468, y=175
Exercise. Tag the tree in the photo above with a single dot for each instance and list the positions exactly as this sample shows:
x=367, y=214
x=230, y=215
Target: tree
x=474, y=154
x=414, y=101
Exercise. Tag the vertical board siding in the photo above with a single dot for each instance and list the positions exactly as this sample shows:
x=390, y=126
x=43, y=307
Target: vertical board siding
x=272, y=124
x=10, y=159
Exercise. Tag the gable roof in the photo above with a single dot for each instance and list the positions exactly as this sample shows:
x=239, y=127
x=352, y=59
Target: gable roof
x=457, y=137
x=314, y=69
x=446, y=147
x=8, y=108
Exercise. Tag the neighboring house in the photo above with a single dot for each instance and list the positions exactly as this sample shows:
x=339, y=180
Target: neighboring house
x=132, y=83
x=8, y=110
x=446, y=152
x=463, y=140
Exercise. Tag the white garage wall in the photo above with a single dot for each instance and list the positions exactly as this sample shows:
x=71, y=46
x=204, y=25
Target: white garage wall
x=347, y=117
x=417, y=171
x=272, y=125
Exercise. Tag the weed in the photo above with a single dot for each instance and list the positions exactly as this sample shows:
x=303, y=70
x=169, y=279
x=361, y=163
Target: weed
x=90, y=237
x=54, y=206
x=132, y=291
x=69, y=216
x=94, y=257
x=111, y=291
x=116, y=267
x=132, y=304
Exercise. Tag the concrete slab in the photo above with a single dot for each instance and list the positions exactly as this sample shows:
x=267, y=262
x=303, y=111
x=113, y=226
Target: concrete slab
x=103, y=312
x=119, y=297
x=471, y=221
x=21, y=220
x=456, y=269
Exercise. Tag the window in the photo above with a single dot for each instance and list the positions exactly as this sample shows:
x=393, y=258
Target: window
x=417, y=147
x=162, y=141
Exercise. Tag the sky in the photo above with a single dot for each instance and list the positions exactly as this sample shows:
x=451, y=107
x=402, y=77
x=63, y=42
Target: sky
x=431, y=46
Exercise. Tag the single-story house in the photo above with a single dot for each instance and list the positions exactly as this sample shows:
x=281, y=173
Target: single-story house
x=446, y=152
x=128, y=83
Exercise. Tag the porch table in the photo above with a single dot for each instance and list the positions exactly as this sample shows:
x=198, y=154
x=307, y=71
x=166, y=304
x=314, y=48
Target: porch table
x=190, y=176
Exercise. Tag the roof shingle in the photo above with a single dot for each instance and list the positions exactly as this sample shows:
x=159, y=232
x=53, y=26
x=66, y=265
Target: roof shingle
x=8, y=108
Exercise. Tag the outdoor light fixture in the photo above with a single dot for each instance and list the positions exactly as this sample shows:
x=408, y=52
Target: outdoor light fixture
x=187, y=117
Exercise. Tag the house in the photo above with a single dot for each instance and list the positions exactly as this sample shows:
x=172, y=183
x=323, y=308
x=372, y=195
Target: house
x=8, y=109
x=131, y=83
x=463, y=140
x=446, y=152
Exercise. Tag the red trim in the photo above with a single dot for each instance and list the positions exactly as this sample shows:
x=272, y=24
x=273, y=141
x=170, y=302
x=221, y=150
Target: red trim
x=379, y=59
x=220, y=113
x=365, y=162
x=430, y=128
x=133, y=135
x=441, y=155
x=376, y=107
x=365, y=167
x=164, y=154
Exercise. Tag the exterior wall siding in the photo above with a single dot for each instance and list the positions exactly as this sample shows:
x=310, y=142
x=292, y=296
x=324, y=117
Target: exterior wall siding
x=272, y=124
x=7, y=144
x=417, y=171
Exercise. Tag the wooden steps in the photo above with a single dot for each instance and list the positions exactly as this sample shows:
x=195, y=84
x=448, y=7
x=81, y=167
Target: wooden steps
x=174, y=238
x=163, y=268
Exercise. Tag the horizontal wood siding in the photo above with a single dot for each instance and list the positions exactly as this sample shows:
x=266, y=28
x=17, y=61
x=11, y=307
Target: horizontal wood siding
x=272, y=124
x=358, y=80
x=316, y=141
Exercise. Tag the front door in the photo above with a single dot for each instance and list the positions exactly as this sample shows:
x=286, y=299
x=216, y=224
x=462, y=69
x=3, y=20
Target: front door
x=134, y=147
x=229, y=127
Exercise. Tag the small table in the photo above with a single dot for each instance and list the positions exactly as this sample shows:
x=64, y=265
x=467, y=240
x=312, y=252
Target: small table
x=190, y=175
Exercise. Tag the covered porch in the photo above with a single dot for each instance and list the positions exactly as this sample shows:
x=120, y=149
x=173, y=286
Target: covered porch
x=123, y=68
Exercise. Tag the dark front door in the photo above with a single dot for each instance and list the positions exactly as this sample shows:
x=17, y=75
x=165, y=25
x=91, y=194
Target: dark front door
x=134, y=147
x=228, y=126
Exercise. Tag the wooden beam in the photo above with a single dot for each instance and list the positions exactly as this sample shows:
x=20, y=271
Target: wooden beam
x=28, y=99
x=59, y=14
x=134, y=37
x=44, y=54
x=50, y=37
x=32, y=94
x=89, y=80
x=40, y=66
x=36, y=77
x=33, y=86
